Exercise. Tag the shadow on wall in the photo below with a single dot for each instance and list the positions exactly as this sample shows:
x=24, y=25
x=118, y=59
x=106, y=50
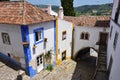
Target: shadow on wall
x=83, y=53
x=102, y=23
x=9, y=62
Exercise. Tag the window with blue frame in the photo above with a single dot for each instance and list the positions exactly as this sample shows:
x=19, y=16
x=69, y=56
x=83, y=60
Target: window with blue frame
x=38, y=35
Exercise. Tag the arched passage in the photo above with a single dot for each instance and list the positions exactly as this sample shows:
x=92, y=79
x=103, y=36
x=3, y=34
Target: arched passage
x=85, y=53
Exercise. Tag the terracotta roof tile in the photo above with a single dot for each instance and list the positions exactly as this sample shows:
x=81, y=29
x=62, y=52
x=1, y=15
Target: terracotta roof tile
x=91, y=21
x=20, y=13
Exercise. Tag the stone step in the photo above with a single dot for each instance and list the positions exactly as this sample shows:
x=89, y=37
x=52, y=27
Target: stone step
x=102, y=68
x=103, y=58
x=100, y=76
x=102, y=52
x=103, y=55
x=101, y=63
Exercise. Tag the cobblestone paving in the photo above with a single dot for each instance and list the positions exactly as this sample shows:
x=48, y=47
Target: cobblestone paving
x=7, y=73
x=68, y=70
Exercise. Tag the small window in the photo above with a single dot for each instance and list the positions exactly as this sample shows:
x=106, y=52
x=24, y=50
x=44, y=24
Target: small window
x=38, y=35
x=39, y=60
x=110, y=66
x=115, y=40
x=63, y=35
x=82, y=36
x=9, y=55
x=6, y=38
x=111, y=31
x=87, y=36
x=64, y=55
x=117, y=13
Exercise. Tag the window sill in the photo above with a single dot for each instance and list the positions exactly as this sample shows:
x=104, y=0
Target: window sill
x=25, y=43
x=40, y=41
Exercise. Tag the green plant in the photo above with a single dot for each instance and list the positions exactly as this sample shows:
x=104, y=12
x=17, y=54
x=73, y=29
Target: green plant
x=49, y=67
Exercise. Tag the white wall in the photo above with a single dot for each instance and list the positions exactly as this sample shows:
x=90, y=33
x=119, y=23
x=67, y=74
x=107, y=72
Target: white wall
x=115, y=70
x=94, y=37
x=48, y=33
x=115, y=4
x=64, y=44
x=16, y=47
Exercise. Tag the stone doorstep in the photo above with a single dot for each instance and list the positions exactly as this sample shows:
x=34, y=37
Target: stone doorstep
x=1, y=64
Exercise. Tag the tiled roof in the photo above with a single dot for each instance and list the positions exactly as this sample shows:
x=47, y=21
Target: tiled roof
x=91, y=21
x=22, y=13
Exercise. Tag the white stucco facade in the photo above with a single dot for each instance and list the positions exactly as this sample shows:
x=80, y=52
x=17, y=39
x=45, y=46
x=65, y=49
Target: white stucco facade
x=114, y=45
x=15, y=49
x=48, y=33
x=66, y=44
x=94, y=36
x=48, y=30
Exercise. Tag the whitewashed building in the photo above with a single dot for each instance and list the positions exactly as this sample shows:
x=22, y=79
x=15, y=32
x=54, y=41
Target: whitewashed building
x=89, y=31
x=113, y=51
x=27, y=34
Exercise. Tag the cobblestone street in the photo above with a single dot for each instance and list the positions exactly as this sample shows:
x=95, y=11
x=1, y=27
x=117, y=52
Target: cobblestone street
x=68, y=70
x=8, y=71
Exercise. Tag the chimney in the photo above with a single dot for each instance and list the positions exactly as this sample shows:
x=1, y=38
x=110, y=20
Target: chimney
x=61, y=14
x=49, y=9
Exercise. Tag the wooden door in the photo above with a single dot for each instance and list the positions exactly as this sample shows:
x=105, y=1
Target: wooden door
x=103, y=38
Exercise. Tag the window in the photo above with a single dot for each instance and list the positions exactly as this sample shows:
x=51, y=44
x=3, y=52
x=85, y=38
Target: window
x=87, y=36
x=111, y=31
x=110, y=66
x=38, y=34
x=117, y=12
x=64, y=55
x=115, y=40
x=39, y=60
x=6, y=38
x=84, y=36
x=9, y=55
x=63, y=35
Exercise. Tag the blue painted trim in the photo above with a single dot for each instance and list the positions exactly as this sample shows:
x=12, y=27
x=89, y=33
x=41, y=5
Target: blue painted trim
x=54, y=62
x=9, y=59
x=38, y=29
x=32, y=72
x=27, y=50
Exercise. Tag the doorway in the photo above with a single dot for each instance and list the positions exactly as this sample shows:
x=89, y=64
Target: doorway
x=103, y=38
x=39, y=60
x=64, y=55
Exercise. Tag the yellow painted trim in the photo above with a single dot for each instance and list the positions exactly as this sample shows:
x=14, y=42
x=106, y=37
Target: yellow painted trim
x=57, y=61
x=72, y=26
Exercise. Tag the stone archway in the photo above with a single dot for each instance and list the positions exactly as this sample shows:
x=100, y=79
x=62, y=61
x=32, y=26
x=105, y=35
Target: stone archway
x=85, y=53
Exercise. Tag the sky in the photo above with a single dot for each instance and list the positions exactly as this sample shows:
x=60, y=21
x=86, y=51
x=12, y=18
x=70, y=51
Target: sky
x=76, y=2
